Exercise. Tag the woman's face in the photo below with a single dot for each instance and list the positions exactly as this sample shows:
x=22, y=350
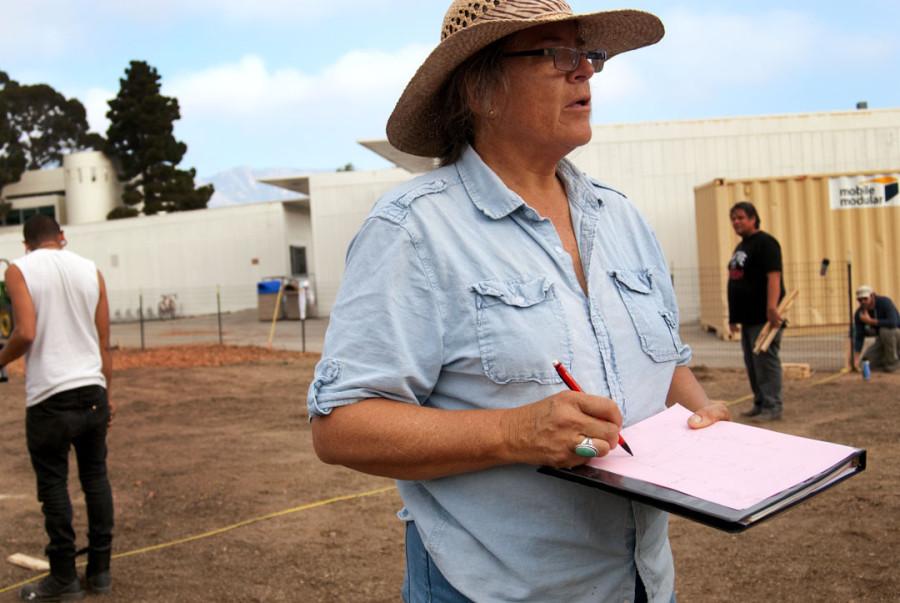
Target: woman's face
x=542, y=106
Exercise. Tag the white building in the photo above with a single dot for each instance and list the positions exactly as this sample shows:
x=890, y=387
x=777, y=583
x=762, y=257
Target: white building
x=85, y=189
x=657, y=164
x=193, y=255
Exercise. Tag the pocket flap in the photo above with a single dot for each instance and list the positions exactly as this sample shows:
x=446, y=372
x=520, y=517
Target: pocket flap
x=639, y=282
x=515, y=293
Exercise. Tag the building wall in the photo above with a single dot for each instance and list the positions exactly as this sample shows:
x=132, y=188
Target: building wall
x=37, y=182
x=188, y=254
x=92, y=187
x=658, y=164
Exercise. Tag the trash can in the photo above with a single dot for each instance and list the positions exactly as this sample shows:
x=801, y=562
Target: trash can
x=266, y=296
x=291, y=303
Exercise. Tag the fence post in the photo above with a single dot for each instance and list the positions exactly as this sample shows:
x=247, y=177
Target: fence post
x=141, y=315
x=219, y=312
x=850, y=299
x=303, y=334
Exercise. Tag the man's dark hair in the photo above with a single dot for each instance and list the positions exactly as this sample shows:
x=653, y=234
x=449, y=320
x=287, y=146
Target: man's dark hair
x=40, y=229
x=747, y=208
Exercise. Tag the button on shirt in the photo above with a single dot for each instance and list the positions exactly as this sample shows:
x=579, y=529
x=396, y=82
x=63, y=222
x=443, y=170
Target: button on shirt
x=458, y=295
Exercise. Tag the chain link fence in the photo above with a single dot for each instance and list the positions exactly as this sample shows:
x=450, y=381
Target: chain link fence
x=818, y=322
x=817, y=334
x=235, y=315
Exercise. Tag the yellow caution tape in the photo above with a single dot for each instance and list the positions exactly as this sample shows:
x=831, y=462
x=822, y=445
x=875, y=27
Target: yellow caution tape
x=218, y=531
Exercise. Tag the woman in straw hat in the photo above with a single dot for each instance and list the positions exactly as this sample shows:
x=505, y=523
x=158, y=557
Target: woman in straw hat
x=462, y=288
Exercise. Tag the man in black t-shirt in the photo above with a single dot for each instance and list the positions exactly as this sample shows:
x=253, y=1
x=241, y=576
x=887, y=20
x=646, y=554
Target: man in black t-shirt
x=755, y=287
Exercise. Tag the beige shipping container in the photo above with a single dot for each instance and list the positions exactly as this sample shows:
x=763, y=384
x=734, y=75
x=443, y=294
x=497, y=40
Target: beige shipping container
x=845, y=216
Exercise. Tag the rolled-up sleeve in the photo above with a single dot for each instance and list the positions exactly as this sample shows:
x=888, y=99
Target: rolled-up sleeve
x=384, y=337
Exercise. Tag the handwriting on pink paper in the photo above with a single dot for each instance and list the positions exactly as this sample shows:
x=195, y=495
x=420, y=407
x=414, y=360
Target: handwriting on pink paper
x=727, y=463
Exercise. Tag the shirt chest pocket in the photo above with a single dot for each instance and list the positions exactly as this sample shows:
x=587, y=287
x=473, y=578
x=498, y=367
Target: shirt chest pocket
x=655, y=326
x=521, y=330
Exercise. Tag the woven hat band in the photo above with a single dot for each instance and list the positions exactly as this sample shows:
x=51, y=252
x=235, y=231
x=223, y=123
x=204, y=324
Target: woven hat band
x=464, y=13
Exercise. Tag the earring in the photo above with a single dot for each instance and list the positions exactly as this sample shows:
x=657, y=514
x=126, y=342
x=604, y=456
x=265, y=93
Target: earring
x=491, y=113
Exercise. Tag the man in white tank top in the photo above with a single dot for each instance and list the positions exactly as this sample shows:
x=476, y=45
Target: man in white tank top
x=62, y=328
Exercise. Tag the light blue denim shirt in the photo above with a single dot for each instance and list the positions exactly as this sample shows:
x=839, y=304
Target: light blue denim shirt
x=458, y=295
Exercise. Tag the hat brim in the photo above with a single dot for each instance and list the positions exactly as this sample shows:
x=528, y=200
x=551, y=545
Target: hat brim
x=413, y=125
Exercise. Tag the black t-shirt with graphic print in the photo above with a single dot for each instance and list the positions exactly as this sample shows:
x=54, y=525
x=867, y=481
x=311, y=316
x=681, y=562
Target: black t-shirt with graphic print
x=753, y=259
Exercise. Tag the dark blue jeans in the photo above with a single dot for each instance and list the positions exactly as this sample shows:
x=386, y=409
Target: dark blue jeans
x=75, y=418
x=763, y=369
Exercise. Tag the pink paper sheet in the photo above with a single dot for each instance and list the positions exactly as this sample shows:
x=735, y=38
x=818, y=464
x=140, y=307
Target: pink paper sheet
x=727, y=463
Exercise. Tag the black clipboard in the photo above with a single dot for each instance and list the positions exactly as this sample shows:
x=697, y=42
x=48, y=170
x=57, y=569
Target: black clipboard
x=704, y=511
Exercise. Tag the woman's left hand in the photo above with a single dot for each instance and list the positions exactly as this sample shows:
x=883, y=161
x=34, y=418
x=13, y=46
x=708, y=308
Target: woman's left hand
x=713, y=412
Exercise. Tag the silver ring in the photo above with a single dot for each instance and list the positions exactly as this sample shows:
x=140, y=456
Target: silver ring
x=586, y=448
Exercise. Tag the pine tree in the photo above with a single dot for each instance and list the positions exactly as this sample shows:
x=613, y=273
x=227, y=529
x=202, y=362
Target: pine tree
x=140, y=137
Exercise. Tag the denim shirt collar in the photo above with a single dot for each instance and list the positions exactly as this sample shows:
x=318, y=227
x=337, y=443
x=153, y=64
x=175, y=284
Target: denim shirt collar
x=495, y=200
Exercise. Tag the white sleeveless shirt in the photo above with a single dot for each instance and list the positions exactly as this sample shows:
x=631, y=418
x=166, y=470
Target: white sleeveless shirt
x=65, y=353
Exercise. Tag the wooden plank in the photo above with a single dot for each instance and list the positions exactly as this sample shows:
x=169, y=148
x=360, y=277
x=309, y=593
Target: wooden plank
x=767, y=334
x=796, y=370
x=32, y=563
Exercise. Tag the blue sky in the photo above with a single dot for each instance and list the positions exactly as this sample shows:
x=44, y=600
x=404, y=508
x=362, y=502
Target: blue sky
x=294, y=83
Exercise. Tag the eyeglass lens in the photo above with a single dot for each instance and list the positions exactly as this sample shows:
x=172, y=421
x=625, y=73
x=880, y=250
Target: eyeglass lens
x=567, y=59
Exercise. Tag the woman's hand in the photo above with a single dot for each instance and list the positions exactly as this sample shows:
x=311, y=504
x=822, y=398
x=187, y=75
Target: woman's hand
x=713, y=412
x=546, y=432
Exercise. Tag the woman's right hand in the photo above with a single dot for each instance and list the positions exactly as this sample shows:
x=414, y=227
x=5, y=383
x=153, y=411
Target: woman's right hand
x=546, y=432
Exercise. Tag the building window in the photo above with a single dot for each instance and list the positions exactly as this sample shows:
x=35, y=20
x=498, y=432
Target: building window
x=17, y=217
x=298, y=260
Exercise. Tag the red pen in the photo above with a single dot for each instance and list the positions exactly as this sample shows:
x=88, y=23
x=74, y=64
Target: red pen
x=567, y=378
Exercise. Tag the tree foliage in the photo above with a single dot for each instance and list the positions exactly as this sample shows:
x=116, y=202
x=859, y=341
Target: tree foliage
x=12, y=159
x=45, y=124
x=38, y=125
x=141, y=139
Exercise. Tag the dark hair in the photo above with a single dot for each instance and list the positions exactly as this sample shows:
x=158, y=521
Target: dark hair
x=747, y=208
x=473, y=81
x=40, y=229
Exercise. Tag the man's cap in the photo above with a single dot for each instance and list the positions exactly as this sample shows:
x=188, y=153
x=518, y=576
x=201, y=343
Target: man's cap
x=863, y=292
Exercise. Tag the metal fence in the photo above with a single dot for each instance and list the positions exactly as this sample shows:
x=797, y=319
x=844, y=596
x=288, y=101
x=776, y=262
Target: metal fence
x=817, y=333
x=818, y=323
x=211, y=315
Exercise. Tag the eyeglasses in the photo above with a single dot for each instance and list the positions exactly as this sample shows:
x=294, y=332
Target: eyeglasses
x=565, y=59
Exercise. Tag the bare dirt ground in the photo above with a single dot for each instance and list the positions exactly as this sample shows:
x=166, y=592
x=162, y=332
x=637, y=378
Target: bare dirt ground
x=207, y=438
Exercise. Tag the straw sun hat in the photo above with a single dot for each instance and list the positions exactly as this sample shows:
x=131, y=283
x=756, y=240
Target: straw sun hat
x=469, y=26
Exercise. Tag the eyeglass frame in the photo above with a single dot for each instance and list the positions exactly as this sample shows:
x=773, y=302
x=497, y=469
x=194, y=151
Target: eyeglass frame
x=597, y=57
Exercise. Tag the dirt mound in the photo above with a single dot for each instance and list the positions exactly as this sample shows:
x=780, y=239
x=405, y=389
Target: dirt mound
x=190, y=356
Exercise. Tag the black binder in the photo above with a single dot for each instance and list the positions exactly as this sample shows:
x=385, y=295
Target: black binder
x=704, y=511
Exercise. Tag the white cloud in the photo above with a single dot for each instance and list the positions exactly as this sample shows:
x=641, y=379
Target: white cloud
x=248, y=112
x=37, y=29
x=56, y=28
x=242, y=10
x=358, y=85
x=708, y=51
x=95, y=104
x=619, y=81
x=244, y=90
